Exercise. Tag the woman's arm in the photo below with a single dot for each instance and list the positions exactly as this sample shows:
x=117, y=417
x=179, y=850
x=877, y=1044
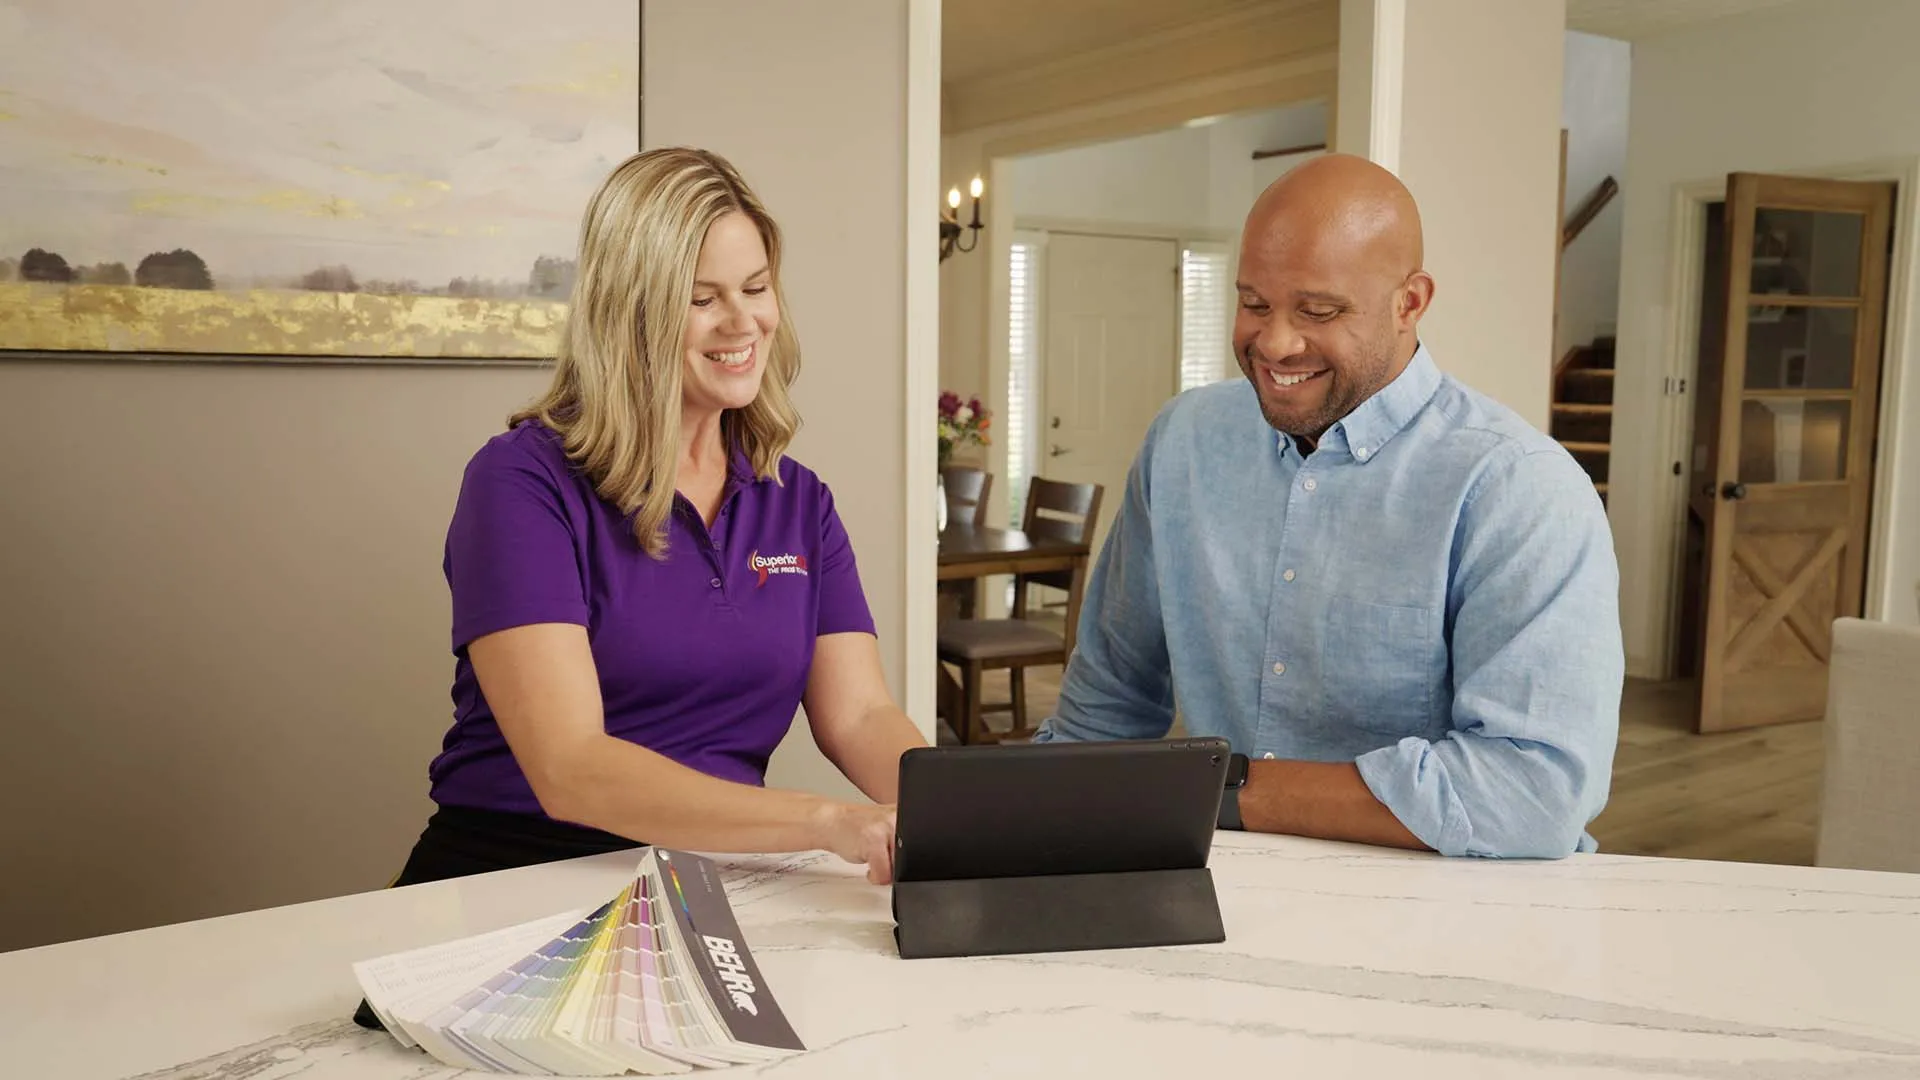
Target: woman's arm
x=545, y=693
x=854, y=718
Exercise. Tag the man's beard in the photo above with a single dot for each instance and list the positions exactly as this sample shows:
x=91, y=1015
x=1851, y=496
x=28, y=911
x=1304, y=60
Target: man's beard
x=1347, y=388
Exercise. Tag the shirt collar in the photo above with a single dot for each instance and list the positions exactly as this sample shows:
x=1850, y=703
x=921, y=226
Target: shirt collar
x=739, y=470
x=738, y=466
x=1378, y=419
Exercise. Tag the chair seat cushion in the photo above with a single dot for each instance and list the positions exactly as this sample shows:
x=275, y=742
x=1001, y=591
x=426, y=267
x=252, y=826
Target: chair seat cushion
x=995, y=639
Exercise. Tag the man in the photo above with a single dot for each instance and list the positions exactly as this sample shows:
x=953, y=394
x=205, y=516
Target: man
x=1403, y=608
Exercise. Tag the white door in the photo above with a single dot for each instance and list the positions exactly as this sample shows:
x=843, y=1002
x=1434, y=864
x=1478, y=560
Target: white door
x=1111, y=357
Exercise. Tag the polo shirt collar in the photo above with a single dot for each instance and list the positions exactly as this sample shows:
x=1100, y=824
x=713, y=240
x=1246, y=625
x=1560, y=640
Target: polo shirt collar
x=1374, y=423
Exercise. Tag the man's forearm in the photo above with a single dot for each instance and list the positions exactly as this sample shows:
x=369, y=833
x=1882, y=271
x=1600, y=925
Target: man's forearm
x=1327, y=800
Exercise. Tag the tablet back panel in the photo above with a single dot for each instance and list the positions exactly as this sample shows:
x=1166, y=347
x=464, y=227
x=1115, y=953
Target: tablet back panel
x=1057, y=808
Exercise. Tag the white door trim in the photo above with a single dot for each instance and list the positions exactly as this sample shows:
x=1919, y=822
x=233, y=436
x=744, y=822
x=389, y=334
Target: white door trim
x=922, y=349
x=1685, y=252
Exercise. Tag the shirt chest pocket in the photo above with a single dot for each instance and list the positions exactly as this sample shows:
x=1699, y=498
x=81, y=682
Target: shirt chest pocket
x=1381, y=664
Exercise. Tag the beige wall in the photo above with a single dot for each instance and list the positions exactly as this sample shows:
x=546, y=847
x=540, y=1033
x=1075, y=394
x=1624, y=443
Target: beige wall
x=1739, y=94
x=223, y=644
x=1480, y=149
x=965, y=276
x=842, y=192
x=223, y=638
x=1478, y=144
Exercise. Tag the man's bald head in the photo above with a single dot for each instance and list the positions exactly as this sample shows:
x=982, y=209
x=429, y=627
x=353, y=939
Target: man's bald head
x=1348, y=205
x=1331, y=290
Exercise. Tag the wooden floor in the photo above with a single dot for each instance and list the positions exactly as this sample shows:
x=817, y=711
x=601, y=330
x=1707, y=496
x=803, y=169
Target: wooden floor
x=1744, y=796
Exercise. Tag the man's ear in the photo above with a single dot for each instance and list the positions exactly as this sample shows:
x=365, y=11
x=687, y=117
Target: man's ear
x=1416, y=296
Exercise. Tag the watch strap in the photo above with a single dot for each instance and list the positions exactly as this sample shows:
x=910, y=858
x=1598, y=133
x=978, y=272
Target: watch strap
x=1230, y=794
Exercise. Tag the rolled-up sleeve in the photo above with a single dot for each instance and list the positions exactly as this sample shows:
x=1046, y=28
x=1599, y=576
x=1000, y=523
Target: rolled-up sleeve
x=1538, y=665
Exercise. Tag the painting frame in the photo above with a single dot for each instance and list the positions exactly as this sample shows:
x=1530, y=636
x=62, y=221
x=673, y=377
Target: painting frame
x=531, y=348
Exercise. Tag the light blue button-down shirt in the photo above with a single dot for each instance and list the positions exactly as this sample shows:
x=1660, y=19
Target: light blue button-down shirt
x=1432, y=593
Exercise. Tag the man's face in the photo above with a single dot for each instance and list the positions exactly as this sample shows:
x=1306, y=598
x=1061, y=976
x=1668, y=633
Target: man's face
x=1316, y=331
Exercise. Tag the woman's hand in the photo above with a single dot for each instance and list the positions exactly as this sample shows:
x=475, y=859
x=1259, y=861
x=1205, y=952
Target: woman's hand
x=862, y=834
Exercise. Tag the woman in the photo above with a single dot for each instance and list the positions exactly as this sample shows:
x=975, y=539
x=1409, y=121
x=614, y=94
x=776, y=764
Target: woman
x=645, y=590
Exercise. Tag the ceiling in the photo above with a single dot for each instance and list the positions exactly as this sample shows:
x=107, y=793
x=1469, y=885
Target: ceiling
x=983, y=37
x=1634, y=19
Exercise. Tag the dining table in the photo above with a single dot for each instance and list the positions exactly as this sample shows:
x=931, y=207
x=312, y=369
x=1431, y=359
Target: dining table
x=978, y=551
x=1338, y=961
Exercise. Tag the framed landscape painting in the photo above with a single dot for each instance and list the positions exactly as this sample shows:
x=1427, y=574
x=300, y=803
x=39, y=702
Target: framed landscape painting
x=357, y=179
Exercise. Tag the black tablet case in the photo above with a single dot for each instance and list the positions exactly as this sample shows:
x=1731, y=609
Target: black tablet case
x=1057, y=848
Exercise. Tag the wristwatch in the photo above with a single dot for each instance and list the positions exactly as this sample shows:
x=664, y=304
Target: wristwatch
x=1230, y=795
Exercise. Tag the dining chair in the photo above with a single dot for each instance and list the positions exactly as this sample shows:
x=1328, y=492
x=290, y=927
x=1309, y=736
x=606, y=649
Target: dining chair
x=966, y=489
x=1055, y=511
x=1870, y=784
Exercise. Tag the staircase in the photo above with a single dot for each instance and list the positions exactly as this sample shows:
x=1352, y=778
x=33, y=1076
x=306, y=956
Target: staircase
x=1583, y=407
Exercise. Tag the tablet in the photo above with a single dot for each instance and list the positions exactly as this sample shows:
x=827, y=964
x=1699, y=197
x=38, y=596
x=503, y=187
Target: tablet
x=1018, y=810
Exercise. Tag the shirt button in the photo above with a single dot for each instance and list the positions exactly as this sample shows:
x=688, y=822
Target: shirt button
x=1279, y=669
x=1268, y=755
x=1311, y=483
x=1288, y=576
x=1361, y=453
x=715, y=583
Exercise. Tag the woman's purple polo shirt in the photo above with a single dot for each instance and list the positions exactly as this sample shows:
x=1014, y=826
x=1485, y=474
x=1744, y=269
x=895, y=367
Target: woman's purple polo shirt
x=702, y=657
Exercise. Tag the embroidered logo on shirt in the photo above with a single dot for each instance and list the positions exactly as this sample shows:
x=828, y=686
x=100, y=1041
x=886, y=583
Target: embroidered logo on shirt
x=765, y=565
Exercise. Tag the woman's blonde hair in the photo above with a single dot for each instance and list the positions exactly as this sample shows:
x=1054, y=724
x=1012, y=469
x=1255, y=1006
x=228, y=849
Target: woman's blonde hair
x=615, y=395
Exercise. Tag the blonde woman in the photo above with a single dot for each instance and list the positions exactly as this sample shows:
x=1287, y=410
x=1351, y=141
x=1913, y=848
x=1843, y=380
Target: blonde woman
x=645, y=589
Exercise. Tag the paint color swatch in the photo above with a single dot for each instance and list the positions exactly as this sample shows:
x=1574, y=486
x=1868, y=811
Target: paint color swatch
x=656, y=980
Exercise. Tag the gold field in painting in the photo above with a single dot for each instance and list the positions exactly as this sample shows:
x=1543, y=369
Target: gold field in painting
x=128, y=318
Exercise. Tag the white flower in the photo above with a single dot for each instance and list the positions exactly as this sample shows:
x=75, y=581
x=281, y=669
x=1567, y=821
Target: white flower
x=963, y=414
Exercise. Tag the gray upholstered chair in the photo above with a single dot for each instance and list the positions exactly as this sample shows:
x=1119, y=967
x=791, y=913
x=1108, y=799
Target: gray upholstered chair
x=1870, y=793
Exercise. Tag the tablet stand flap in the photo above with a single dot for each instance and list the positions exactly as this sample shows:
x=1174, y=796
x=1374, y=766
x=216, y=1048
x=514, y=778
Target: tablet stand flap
x=1055, y=913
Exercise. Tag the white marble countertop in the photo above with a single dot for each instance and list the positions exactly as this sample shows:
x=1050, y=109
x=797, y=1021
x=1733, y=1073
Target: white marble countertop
x=1339, y=961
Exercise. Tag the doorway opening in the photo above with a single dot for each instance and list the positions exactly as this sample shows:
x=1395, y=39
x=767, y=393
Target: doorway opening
x=1780, y=463
x=1119, y=293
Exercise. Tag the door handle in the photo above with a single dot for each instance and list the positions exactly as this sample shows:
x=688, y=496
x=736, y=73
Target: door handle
x=1732, y=490
x=1056, y=450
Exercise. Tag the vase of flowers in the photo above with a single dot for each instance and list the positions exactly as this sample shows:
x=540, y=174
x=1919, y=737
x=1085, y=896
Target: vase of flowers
x=962, y=423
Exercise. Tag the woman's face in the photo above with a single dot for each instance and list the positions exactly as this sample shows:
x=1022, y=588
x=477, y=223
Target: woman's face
x=731, y=319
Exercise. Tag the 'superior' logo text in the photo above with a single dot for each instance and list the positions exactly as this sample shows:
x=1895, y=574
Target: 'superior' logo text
x=765, y=565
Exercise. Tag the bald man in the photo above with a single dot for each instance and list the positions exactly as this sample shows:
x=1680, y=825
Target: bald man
x=1394, y=597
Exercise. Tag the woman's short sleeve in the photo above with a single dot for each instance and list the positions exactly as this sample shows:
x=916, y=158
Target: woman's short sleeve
x=843, y=603
x=511, y=555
